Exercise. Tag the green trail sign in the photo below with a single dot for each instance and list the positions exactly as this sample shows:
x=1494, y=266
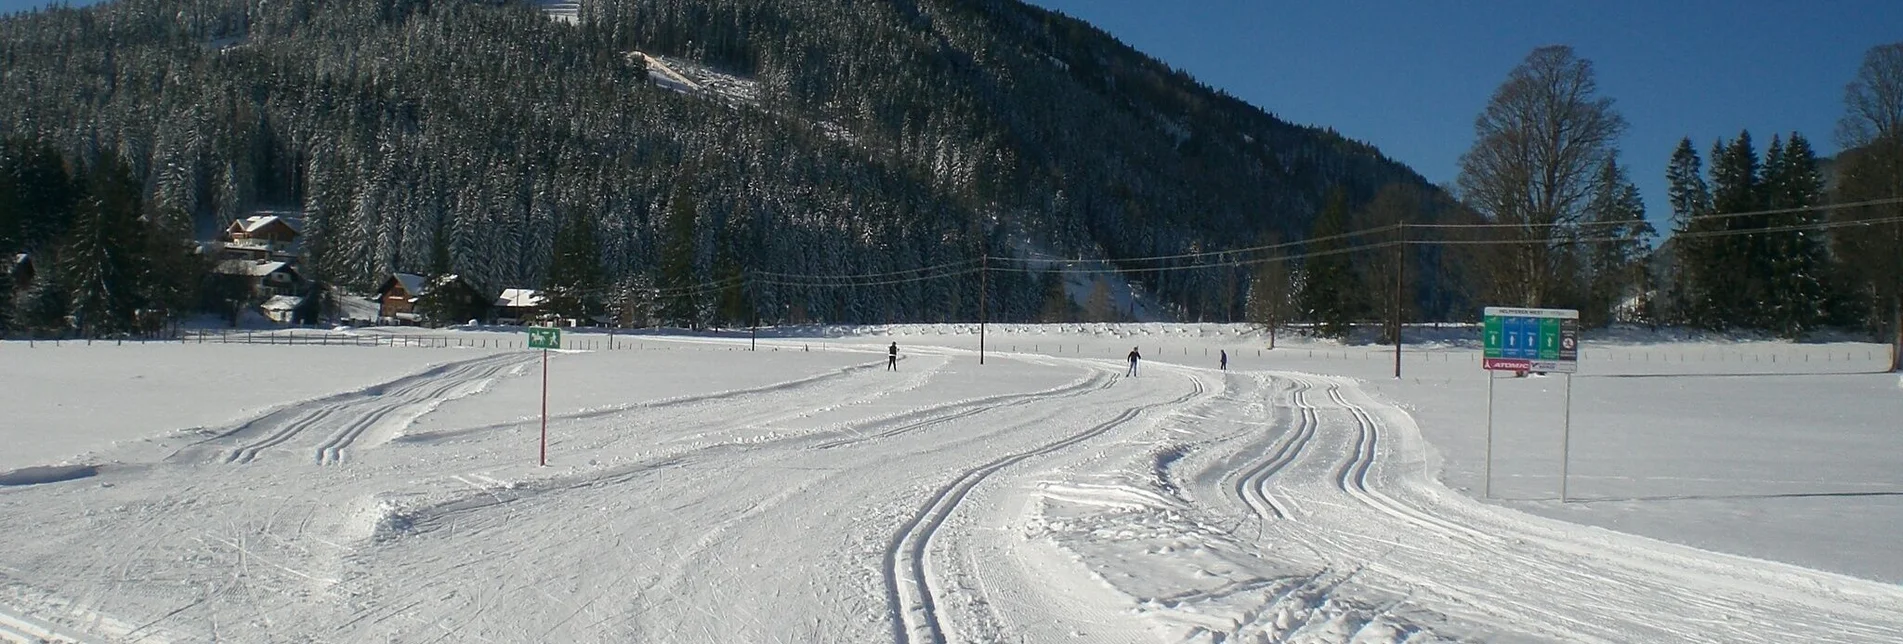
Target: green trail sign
x=545, y=338
x=1545, y=340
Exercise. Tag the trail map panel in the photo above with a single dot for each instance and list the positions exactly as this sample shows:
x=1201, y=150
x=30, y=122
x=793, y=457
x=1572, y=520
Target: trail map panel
x=1544, y=340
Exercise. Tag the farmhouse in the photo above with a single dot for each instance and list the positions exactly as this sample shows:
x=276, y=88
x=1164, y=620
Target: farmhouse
x=262, y=279
x=413, y=299
x=515, y=305
x=396, y=298
x=261, y=236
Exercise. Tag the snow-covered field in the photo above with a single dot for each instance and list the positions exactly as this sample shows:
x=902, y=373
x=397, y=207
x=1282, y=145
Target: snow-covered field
x=1722, y=491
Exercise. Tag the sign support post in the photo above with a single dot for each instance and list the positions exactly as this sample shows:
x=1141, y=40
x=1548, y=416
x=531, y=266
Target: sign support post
x=1488, y=486
x=544, y=459
x=1566, y=440
x=545, y=339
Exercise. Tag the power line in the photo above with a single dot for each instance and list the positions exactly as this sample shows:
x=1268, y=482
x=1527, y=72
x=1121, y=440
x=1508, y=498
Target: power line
x=1236, y=258
x=883, y=282
x=1785, y=211
x=793, y=276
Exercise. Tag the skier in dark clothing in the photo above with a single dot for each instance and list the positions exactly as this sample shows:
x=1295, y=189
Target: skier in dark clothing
x=1225, y=359
x=1133, y=361
x=892, y=357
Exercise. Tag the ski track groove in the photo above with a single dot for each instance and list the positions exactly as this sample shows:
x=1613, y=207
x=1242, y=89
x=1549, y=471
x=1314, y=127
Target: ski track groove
x=380, y=400
x=937, y=415
x=1352, y=477
x=332, y=450
x=1252, y=486
x=1555, y=561
x=691, y=402
x=916, y=613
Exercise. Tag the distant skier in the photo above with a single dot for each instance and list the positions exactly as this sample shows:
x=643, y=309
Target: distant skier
x=1133, y=361
x=892, y=357
x=1225, y=359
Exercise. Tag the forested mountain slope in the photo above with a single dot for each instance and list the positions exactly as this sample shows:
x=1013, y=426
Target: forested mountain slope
x=885, y=136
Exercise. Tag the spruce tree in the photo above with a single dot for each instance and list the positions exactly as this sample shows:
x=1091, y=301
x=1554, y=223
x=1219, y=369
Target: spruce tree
x=732, y=307
x=1737, y=283
x=42, y=306
x=575, y=281
x=1796, y=260
x=104, y=257
x=1620, y=247
x=37, y=196
x=1273, y=292
x=1056, y=306
x=173, y=268
x=1332, y=294
x=679, y=284
x=1693, y=262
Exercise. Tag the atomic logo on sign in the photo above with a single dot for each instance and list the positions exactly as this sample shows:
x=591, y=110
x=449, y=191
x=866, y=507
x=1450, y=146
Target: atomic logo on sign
x=1544, y=340
x=545, y=338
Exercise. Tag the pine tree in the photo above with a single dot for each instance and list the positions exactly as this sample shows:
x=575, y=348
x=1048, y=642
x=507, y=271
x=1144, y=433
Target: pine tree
x=1056, y=306
x=1616, y=268
x=104, y=256
x=42, y=306
x=733, y=306
x=1737, y=285
x=679, y=286
x=1331, y=293
x=1273, y=292
x=1693, y=262
x=37, y=196
x=575, y=282
x=1396, y=205
x=1796, y=260
x=173, y=269
x=634, y=301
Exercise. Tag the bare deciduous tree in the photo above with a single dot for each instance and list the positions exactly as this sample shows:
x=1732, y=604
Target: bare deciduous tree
x=1871, y=169
x=1535, y=163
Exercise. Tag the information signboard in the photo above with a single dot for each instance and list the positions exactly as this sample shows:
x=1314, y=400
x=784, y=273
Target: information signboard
x=540, y=338
x=1545, y=340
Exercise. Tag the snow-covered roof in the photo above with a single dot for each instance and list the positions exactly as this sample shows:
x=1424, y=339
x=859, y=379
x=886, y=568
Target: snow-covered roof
x=520, y=298
x=253, y=268
x=412, y=283
x=282, y=303
x=255, y=223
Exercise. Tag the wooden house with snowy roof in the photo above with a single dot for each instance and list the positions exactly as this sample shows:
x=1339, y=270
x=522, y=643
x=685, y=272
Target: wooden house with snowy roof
x=408, y=298
x=266, y=235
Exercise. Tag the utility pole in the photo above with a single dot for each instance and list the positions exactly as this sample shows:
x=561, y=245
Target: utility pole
x=1400, y=281
x=984, y=276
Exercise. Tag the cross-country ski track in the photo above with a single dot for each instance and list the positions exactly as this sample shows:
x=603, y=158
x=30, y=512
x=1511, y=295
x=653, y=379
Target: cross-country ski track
x=798, y=496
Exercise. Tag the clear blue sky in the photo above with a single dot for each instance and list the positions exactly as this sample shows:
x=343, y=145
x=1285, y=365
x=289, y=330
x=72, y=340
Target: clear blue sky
x=1410, y=76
